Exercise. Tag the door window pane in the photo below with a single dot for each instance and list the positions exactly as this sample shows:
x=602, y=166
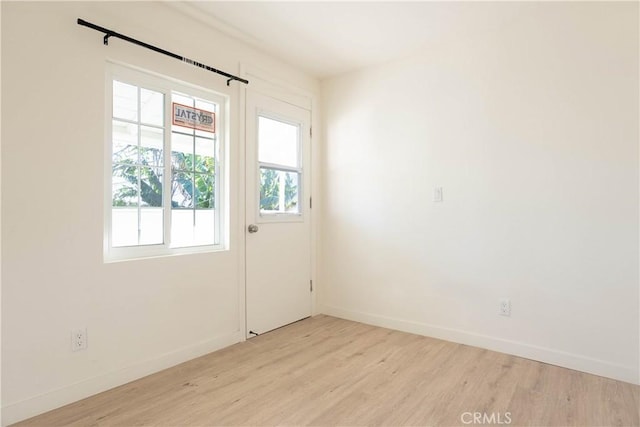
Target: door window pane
x=269, y=190
x=279, y=191
x=291, y=182
x=278, y=142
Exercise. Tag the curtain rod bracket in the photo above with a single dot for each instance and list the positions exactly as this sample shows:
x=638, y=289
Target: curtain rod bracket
x=229, y=82
x=105, y=39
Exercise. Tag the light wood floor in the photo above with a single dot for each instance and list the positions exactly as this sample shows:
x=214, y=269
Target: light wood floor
x=328, y=371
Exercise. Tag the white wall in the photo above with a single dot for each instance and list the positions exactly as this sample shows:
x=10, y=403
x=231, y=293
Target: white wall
x=532, y=131
x=143, y=315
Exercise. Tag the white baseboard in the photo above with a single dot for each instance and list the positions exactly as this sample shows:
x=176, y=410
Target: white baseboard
x=577, y=362
x=17, y=411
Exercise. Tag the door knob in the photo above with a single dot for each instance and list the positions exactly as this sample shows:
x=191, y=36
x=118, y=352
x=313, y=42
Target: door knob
x=252, y=228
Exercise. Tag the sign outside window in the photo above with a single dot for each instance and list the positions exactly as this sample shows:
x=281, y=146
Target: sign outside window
x=194, y=118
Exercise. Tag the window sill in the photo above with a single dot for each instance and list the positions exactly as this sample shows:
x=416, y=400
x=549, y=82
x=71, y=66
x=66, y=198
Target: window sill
x=144, y=253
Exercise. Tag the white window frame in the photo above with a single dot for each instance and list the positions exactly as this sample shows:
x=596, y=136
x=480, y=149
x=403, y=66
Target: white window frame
x=166, y=85
x=267, y=217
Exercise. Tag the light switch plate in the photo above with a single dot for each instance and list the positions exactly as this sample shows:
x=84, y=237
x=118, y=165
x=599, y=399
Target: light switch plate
x=437, y=194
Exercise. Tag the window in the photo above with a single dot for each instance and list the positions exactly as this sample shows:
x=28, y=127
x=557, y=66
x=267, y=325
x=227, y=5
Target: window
x=164, y=149
x=280, y=170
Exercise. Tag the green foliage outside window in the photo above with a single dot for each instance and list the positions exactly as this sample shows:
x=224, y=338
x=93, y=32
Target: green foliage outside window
x=193, y=180
x=270, y=190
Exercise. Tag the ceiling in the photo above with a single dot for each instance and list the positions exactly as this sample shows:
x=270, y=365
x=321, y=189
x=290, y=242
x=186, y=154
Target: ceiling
x=331, y=38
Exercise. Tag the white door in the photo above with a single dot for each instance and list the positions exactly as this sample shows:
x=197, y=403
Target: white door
x=278, y=223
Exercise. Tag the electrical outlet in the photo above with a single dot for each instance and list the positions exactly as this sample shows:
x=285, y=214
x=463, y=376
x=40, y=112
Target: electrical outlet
x=79, y=339
x=505, y=307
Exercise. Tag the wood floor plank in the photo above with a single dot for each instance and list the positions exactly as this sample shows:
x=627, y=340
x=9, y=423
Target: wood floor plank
x=329, y=371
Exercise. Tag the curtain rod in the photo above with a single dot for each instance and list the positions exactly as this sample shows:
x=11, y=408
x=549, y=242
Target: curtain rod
x=110, y=33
